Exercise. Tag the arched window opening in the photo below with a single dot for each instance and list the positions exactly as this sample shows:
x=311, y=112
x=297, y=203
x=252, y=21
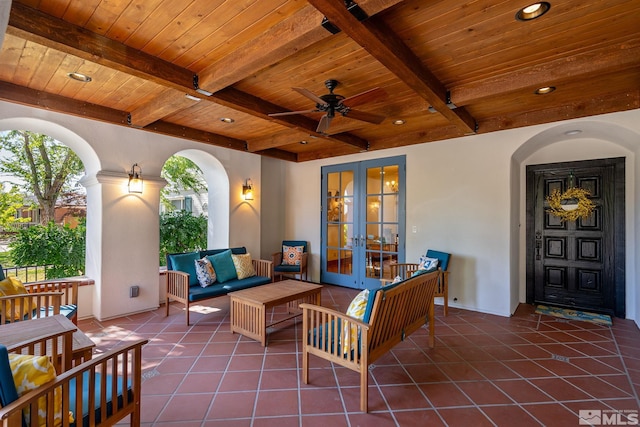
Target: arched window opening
x=42, y=207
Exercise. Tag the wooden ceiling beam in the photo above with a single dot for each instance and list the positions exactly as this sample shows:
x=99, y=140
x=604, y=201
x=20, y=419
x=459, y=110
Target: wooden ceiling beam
x=288, y=37
x=182, y=132
x=597, y=61
x=609, y=103
x=385, y=46
x=168, y=102
x=279, y=154
x=48, y=101
x=277, y=139
x=46, y=30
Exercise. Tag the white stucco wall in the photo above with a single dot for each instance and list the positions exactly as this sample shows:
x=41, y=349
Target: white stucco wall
x=466, y=196
x=122, y=228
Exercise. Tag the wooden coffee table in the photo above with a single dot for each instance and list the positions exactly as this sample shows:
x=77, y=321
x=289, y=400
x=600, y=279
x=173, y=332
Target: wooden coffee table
x=249, y=306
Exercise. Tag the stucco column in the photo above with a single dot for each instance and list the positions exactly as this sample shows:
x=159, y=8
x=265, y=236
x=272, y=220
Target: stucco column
x=122, y=243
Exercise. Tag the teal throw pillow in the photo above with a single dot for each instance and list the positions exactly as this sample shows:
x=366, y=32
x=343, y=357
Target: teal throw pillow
x=187, y=264
x=223, y=265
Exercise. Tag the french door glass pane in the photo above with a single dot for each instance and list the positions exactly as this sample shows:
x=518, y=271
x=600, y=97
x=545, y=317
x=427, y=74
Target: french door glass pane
x=381, y=220
x=339, y=222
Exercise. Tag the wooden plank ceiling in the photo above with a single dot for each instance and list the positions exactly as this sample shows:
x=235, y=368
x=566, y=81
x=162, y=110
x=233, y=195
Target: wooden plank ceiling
x=446, y=68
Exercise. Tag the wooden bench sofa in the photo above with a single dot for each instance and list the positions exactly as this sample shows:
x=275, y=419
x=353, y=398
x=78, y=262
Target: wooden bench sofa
x=393, y=313
x=183, y=285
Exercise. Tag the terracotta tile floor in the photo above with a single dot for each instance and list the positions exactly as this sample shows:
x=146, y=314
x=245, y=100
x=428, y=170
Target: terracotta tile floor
x=527, y=370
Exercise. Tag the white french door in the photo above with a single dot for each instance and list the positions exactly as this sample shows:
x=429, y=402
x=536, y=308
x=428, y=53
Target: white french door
x=363, y=221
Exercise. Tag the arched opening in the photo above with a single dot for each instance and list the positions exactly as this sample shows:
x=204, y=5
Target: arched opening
x=92, y=166
x=576, y=141
x=217, y=198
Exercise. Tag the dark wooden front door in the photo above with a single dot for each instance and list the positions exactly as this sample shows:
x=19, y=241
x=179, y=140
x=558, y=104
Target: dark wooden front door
x=577, y=264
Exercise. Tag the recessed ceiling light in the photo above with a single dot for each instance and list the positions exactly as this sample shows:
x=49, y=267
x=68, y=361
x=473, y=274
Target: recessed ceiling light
x=533, y=11
x=226, y=120
x=79, y=77
x=573, y=132
x=304, y=142
x=398, y=122
x=545, y=90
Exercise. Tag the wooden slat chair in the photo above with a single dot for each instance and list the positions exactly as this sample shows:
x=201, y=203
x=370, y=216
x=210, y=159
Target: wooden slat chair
x=102, y=391
x=297, y=271
x=69, y=294
x=405, y=270
x=15, y=308
x=69, y=290
x=393, y=313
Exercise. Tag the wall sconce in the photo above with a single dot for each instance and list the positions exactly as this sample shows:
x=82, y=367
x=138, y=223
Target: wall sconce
x=135, y=179
x=247, y=190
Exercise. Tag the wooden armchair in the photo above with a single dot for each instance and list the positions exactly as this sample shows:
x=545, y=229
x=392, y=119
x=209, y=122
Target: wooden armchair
x=15, y=308
x=101, y=391
x=69, y=290
x=281, y=269
x=405, y=270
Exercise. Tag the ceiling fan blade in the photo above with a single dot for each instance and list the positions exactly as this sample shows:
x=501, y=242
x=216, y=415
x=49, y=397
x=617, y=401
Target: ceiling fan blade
x=309, y=95
x=288, y=113
x=365, y=117
x=324, y=123
x=371, y=95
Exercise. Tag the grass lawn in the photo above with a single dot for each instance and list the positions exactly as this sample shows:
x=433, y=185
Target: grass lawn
x=5, y=259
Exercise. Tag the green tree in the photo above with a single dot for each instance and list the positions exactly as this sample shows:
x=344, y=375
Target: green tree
x=180, y=231
x=47, y=168
x=10, y=202
x=181, y=174
x=60, y=247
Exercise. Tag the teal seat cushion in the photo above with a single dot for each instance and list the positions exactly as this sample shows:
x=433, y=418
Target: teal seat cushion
x=67, y=310
x=8, y=392
x=247, y=282
x=186, y=263
x=424, y=271
x=283, y=268
x=442, y=257
x=223, y=265
x=369, y=307
x=85, y=397
x=236, y=251
x=197, y=293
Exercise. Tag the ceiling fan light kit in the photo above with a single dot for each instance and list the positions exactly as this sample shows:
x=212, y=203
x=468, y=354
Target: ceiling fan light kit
x=332, y=103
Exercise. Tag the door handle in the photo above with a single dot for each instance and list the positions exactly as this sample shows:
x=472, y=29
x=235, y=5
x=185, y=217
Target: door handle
x=538, y=245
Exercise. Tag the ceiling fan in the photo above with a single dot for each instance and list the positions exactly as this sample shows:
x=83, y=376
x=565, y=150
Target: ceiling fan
x=333, y=103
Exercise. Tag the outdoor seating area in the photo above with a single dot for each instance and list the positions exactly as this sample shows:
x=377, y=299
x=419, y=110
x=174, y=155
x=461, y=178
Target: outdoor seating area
x=529, y=369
